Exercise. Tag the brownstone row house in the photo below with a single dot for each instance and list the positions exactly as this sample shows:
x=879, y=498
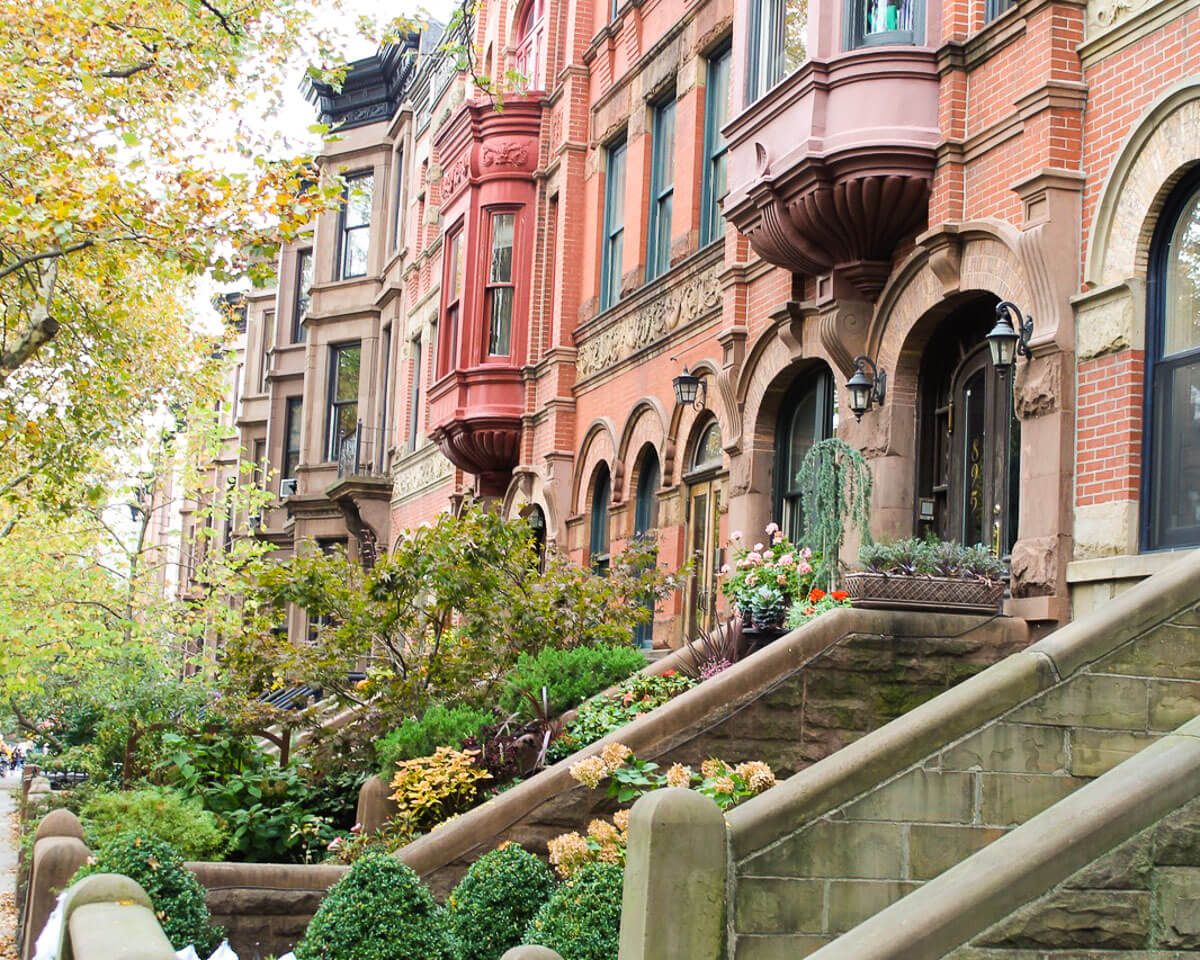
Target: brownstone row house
x=777, y=196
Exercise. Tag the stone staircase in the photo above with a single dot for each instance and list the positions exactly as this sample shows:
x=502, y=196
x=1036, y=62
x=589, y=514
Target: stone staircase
x=855, y=837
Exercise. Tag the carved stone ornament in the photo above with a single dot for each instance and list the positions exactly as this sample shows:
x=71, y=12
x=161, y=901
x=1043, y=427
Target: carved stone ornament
x=455, y=177
x=1107, y=13
x=421, y=472
x=506, y=153
x=654, y=321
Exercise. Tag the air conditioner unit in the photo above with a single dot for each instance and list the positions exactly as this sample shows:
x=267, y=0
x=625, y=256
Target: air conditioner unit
x=287, y=487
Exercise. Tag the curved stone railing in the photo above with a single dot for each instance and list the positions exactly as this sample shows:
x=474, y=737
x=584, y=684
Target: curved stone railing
x=716, y=717
x=109, y=917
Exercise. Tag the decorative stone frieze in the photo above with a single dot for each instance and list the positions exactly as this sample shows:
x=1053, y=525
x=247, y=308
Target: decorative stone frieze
x=423, y=470
x=656, y=320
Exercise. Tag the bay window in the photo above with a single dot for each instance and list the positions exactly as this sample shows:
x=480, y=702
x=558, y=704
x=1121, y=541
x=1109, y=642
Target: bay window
x=777, y=43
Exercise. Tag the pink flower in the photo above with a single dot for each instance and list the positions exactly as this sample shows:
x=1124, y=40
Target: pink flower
x=782, y=578
x=804, y=568
x=768, y=555
x=787, y=560
x=334, y=843
x=772, y=528
x=736, y=536
x=752, y=580
x=778, y=538
x=754, y=557
x=357, y=828
x=724, y=569
x=758, y=548
x=806, y=553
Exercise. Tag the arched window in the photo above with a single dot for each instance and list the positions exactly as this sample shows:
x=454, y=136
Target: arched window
x=537, y=523
x=645, y=519
x=598, y=544
x=531, y=44
x=704, y=517
x=1171, y=487
x=805, y=417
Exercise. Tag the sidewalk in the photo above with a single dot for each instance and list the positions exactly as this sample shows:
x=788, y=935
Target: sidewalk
x=8, y=865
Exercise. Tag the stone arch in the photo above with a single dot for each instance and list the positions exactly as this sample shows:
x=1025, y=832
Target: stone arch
x=599, y=446
x=1162, y=146
x=531, y=487
x=646, y=424
x=683, y=421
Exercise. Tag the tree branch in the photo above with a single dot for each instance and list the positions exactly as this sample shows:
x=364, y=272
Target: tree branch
x=124, y=73
x=22, y=262
x=41, y=329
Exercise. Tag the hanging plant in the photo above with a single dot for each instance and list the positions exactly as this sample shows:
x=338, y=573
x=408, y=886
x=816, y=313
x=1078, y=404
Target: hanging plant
x=836, y=481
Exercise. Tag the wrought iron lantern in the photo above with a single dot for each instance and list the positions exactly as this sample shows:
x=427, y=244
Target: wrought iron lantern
x=690, y=390
x=864, y=390
x=1009, y=338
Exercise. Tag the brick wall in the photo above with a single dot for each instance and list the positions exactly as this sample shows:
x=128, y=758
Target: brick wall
x=1109, y=428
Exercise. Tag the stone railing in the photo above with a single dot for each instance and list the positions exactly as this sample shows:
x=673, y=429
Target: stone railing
x=107, y=917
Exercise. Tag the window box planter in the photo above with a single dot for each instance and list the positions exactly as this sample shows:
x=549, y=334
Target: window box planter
x=892, y=591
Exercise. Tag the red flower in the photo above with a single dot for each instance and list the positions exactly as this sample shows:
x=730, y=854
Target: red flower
x=816, y=595
x=668, y=673
x=839, y=595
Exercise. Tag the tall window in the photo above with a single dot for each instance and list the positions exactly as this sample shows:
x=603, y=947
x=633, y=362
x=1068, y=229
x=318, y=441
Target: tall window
x=379, y=456
x=301, y=302
x=500, y=286
x=414, y=396
x=259, y=459
x=291, y=437
x=1171, y=488
x=876, y=22
x=452, y=287
x=344, y=363
x=614, y=226
x=531, y=45
x=598, y=543
x=777, y=43
x=355, y=239
x=268, y=344
x=805, y=417
x=662, y=189
x=644, y=521
x=715, y=185
x=398, y=199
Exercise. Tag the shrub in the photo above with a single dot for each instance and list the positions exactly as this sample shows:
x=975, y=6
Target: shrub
x=431, y=789
x=932, y=558
x=569, y=676
x=380, y=910
x=640, y=694
x=493, y=904
x=582, y=920
x=176, y=894
x=441, y=726
x=161, y=813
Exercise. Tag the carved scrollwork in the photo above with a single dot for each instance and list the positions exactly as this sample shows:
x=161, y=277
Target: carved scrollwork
x=421, y=472
x=455, y=178
x=656, y=320
x=506, y=153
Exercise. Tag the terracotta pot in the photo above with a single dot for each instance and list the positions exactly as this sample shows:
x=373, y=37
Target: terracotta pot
x=870, y=589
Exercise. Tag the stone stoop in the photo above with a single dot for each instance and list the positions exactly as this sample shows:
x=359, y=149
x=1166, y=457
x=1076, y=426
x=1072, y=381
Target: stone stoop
x=898, y=825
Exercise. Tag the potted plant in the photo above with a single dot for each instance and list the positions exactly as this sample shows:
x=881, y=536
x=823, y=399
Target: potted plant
x=930, y=574
x=765, y=580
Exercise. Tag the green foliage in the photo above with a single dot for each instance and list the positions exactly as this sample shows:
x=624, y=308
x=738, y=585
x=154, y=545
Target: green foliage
x=837, y=482
x=164, y=814
x=640, y=694
x=428, y=790
x=380, y=910
x=493, y=904
x=582, y=920
x=933, y=558
x=441, y=726
x=176, y=894
x=569, y=676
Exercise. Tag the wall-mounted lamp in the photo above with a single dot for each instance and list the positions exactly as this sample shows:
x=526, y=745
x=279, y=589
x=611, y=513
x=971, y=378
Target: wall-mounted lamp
x=1009, y=338
x=690, y=390
x=864, y=390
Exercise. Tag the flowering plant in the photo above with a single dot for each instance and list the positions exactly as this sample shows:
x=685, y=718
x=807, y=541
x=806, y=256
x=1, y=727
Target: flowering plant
x=816, y=603
x=605, y=843
x=765, y=580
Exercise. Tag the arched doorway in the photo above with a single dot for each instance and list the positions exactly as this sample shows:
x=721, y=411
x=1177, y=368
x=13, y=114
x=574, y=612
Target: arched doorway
x=806, y=416
x=645, y=520
x=967, y=468
x=704, y=511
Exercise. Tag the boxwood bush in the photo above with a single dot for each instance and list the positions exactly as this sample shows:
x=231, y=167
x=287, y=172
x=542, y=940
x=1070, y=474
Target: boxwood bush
x=176, y=894
x=380, y=910
x=440, y=726
x=157, y=812
x=582, y=920
x=493, y=904
x=569, y=676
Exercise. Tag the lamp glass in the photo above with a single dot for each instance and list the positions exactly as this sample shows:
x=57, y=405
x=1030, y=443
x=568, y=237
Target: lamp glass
x=1002, y=342
x=859, y=388
x=686, y=388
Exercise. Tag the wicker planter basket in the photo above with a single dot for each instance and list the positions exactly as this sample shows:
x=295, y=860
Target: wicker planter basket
x=870, y=589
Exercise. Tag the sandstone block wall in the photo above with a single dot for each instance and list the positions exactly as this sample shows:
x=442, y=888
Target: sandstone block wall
x=854, y=860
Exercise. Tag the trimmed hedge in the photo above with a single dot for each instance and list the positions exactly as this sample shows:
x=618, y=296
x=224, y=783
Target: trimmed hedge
x=380, y=910
x=440, y=726
x=160, y=812
x=569, y=676
x=582, y=920
x=493, y=904
x=176, y=894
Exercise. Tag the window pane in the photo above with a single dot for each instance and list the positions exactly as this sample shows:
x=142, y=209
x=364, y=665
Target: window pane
x=662, y=239
x=883, y=16
x=357, y=245
x=974, y=446
x=662, y=181
x=1182, y=328
x=346, y=374
x=708, y=450
x=716, y=115
x=1176, y=498
x=358, y=200
x=498, y=341
x=398, y=219
x=456, y=271
x=291, y=456
x=614, y=225
x=304, y=277
x=502, y=248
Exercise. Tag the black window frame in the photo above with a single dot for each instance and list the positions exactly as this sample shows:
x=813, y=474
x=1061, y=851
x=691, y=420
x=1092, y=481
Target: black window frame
x=662, y=187
x=293, y=416
x=1159, y=373
x=784, y=491
x=345, y=230
x=598, y=535
x=301, y=301
x=414, y=394
x=613, y=236
x=333, y=406
x=716, y=149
